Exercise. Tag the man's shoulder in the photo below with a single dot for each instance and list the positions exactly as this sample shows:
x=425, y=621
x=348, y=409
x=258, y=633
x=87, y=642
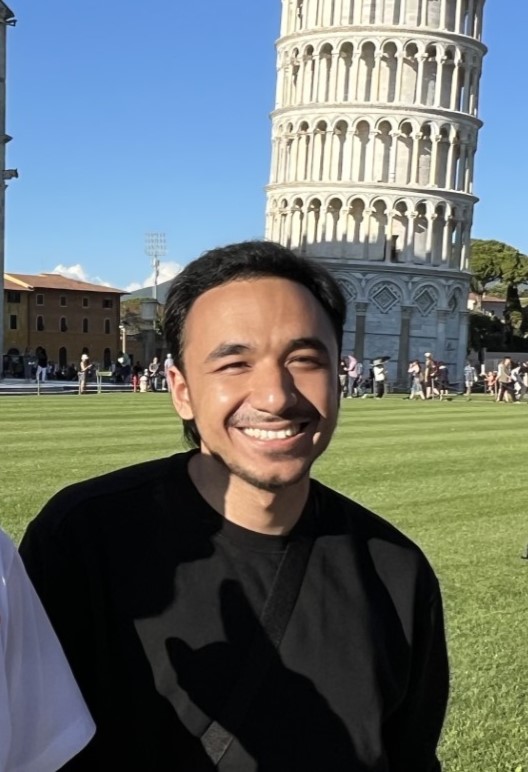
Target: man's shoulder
x=384, y=542
x=123, y=489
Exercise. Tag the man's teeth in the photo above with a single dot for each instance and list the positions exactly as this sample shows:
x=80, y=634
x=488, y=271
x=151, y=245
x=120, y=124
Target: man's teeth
x=267, y=434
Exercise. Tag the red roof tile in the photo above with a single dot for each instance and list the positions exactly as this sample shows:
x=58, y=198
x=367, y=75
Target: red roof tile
x=56, y=281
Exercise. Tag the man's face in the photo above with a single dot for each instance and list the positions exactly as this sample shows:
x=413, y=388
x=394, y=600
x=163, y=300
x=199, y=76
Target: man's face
x=260, y=381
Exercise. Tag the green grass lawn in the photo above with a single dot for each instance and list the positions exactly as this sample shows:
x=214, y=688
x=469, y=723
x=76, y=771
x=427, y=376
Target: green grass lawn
x=451, y=475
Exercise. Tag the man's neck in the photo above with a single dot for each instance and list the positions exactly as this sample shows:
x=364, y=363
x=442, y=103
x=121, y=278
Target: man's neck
x=268, y=512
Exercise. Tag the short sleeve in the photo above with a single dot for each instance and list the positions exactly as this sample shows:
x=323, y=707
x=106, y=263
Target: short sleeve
x=43, y=719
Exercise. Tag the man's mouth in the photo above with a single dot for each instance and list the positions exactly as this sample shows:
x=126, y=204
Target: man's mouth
x=273, y=434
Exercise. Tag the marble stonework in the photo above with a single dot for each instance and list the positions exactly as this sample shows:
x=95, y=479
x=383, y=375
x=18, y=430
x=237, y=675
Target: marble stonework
x=374, y=136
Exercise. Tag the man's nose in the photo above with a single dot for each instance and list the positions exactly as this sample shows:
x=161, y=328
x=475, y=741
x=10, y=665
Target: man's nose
x=273, y=389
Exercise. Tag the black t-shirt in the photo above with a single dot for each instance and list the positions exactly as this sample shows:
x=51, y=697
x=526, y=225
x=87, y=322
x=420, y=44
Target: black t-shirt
x=156, y=598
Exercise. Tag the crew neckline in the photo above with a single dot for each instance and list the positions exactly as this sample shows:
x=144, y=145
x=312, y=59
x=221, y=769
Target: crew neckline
x=238, y=534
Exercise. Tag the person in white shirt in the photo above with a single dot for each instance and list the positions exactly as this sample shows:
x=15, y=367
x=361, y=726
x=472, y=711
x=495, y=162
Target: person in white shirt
x=169, y=362
x=44, y=721
x=379, y=374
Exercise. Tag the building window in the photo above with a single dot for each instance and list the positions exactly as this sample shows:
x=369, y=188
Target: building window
x=85, y=303
x=63, y=357
x=63, y=324
x=107, y=359
x=63, y=300
x=13, y=297
x=39, y=300
x=85, y=325
x=13, y=322
x=108, y=302
x=40, y=323
x=107, y=326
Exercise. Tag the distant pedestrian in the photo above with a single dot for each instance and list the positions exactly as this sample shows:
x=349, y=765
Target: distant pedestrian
x=415, y=371
x=506, y=391
x=42, y=364
x=153, y=371
x=470, y=378
x=168, y=363
x=85, y=368
x=379, y=375
x=430, y=374
x=352, y=375
x=443, y=380
x=144, y=382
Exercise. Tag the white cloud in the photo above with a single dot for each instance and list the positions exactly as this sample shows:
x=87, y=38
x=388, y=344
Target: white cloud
x=78, y=272
x=167, y=271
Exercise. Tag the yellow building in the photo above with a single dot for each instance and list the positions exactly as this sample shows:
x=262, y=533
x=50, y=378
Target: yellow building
x=64, y=316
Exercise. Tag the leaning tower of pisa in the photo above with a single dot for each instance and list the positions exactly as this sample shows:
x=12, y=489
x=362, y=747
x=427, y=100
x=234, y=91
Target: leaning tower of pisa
x=374, y=138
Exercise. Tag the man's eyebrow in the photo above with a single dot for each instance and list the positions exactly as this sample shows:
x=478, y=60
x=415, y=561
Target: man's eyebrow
x=315, y=343
x=227, y=350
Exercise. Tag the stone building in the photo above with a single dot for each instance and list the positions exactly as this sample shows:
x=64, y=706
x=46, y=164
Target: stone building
x=64, y=316
x=374, y=136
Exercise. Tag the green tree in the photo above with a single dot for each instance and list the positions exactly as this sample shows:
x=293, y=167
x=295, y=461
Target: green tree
x=494, y=262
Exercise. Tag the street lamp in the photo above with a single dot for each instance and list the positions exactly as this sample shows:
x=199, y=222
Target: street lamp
x=148, y=313
x=155, y=247
x=122, y=329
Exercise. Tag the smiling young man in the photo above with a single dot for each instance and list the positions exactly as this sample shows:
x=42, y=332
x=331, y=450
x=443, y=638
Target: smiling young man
x=221, y=609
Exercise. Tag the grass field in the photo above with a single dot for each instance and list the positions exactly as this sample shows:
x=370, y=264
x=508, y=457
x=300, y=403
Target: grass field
x=451, y=475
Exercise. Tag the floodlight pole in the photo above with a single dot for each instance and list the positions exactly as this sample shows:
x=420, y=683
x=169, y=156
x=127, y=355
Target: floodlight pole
x=155, y=247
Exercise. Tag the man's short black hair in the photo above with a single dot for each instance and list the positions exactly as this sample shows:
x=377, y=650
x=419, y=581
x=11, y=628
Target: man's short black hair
x=246, y=260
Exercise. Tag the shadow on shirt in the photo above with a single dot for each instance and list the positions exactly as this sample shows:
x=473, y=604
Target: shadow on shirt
x=288, y=725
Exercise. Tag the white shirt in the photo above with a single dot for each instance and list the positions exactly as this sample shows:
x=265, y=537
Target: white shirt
x=379, y=373
x=43, y=719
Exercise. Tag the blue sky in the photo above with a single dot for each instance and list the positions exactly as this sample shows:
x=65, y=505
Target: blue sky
x=130, y=117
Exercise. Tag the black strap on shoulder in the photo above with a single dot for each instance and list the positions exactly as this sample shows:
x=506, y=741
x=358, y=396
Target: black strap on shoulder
x=274, y=620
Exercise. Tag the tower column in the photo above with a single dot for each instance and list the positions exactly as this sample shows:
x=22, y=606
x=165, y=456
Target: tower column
x=441, y=321
x=459, y=17
x=455, y=86
x=334, y=65
x=354, y=75
x=366, y=233
x=429, y=238
x=446, y=240
x=433, y=177
x=467, y=80
x=399, y=77
x=415, y=157
x=404, y=338
x=443, y=14
x=393, y=155
x=462, y=344
x=471, y=18
x=462, y=166
x=410, y=236
x=439, y=86
x=361, y=319
x=419, y=78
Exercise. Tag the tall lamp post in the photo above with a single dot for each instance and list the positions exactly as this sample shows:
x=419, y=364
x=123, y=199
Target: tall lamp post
x=155, y=247
x=149, y=307
x=122, y=329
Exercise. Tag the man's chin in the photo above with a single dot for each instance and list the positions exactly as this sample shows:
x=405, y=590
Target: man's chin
x=271, y=482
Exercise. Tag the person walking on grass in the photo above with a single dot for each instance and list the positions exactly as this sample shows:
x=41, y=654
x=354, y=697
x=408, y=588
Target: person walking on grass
x=43, y=719
x=379, y=375
x=430, y=375
x=220, y=608
x=85, y=368
x=415, y=371
x=470, y=378
x=504, y=379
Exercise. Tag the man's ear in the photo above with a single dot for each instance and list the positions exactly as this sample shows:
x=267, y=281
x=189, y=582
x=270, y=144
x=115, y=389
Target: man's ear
x=180, y=393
